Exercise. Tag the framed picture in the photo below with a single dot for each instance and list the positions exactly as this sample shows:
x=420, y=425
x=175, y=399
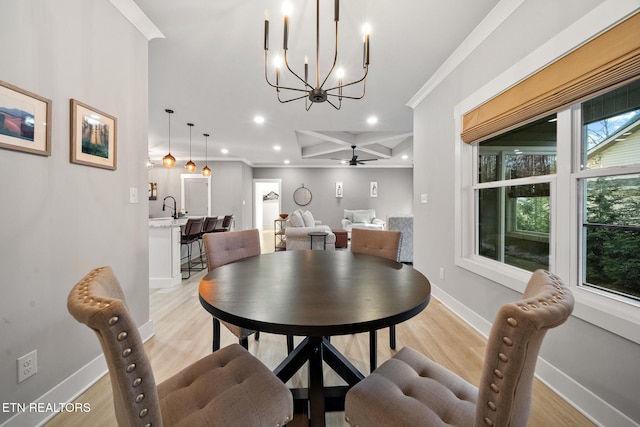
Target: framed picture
x=339, y=189
x=373, y=188
x=25, y=121
x=93, y=137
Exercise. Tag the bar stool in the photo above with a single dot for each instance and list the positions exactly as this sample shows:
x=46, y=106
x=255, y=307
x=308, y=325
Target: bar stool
x=190, y=235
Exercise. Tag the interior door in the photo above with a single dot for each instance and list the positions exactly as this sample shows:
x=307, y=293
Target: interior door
x=196, y=197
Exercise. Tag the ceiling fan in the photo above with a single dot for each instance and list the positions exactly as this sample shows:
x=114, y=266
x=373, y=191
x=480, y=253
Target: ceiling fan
x=354, y=159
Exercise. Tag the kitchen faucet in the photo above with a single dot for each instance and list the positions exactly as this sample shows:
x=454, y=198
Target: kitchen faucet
x=164, y=204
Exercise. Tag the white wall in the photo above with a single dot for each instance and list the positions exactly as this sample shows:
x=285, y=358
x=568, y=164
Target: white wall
x=593, y=368
x=59, y=220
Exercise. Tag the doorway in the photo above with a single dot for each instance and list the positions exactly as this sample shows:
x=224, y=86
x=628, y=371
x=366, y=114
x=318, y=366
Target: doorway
x=195, y=197
x=267, y=202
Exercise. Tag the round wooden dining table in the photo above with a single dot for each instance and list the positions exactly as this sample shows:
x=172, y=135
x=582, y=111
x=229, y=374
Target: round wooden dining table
x=315, y=294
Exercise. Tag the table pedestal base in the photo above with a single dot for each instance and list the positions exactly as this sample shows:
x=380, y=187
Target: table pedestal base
x=318, y=397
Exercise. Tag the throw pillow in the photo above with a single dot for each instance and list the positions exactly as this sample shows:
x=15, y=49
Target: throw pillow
x=308, y=220
x=361, y=217
x=295, y=219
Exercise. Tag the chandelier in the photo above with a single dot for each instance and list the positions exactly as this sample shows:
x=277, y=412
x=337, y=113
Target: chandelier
x=314, y=92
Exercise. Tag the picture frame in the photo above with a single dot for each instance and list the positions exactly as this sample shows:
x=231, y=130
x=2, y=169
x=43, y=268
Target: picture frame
x=373, y=189
x=339, y=190
x=93, y=137
x=25, y=120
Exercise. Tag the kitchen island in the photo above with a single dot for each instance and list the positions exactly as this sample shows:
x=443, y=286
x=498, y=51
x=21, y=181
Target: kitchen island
x=164, y=252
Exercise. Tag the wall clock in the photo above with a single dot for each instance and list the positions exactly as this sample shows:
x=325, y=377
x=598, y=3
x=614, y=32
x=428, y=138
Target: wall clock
x=302, y=196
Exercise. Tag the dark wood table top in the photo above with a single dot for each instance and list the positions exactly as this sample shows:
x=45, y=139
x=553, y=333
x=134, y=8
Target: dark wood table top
x=314, y=293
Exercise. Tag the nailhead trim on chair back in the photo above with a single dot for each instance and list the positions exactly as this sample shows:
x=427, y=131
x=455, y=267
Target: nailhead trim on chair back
x=505, y=391
x=98, y=302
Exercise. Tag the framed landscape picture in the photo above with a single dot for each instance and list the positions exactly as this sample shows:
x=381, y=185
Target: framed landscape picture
x=25, y=121
x=93, y=137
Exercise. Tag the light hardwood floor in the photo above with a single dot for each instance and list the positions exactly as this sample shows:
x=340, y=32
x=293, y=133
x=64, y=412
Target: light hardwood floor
x=183, y=334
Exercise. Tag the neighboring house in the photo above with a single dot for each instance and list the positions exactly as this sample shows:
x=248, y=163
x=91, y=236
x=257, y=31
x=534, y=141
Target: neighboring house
x=621, y=148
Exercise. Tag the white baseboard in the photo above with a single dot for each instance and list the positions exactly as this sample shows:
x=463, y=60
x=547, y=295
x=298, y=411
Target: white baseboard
x=599, y=411
x=68, y=390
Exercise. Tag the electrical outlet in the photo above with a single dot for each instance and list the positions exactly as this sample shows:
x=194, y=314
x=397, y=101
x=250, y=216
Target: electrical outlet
x=442, y=273
x=27, y=365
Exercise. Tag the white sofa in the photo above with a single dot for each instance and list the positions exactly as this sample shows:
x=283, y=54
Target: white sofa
x=299, y=224
x=361, y=218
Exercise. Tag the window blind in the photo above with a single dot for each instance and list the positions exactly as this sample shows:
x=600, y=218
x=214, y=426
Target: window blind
x=603, y=62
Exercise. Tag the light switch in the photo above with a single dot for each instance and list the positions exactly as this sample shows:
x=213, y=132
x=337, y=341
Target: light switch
x=133, y=195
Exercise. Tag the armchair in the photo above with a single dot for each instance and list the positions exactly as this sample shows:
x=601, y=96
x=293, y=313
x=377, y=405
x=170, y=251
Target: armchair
x=361, y=218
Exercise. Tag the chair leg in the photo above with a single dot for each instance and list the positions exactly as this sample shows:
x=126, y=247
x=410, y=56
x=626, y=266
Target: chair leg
x=257, y=335
x=216, y=334
x=244, y=342
x=289, y=344
x=373, y=350
x=392, y=337
x=188, y=261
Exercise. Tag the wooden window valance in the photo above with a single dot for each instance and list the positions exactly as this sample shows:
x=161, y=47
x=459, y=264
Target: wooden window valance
x=607, y=60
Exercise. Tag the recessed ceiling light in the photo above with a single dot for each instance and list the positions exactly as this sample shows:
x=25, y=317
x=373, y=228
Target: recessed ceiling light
x=286, y=162
x=277, y=147
x=372, y=120
x=405, y=157
x=258, y=119
x=224, y=151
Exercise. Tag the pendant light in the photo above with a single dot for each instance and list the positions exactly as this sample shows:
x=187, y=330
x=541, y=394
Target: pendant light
x=205, y=170
x=190, y=166
x=169, y=161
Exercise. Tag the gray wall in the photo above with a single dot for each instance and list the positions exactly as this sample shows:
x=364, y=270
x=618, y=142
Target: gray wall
x=603, y=363
x=395, y=194
x=231, y=189
x=60, y=219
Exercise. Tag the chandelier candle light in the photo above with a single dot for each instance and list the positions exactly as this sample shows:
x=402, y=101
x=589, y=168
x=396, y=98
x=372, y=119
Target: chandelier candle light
x=190, y=166
x=169, y=161
x=315, y=93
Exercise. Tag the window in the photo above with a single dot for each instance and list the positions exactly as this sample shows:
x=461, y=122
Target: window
x=512, y=195
x=568, y=199
x=610, y=196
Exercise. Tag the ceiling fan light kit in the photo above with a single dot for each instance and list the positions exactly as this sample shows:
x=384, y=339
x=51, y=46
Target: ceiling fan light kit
x=354, y=159
x=315, y=93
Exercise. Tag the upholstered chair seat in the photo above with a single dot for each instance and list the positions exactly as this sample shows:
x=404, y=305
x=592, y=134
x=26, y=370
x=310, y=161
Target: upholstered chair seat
x=227, y=388
x=411, y=390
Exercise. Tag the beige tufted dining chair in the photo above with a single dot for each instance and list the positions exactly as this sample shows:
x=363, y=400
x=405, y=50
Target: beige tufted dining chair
x=385, y=244
x=227, y=388
x=411, y=390
x=221, y=249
